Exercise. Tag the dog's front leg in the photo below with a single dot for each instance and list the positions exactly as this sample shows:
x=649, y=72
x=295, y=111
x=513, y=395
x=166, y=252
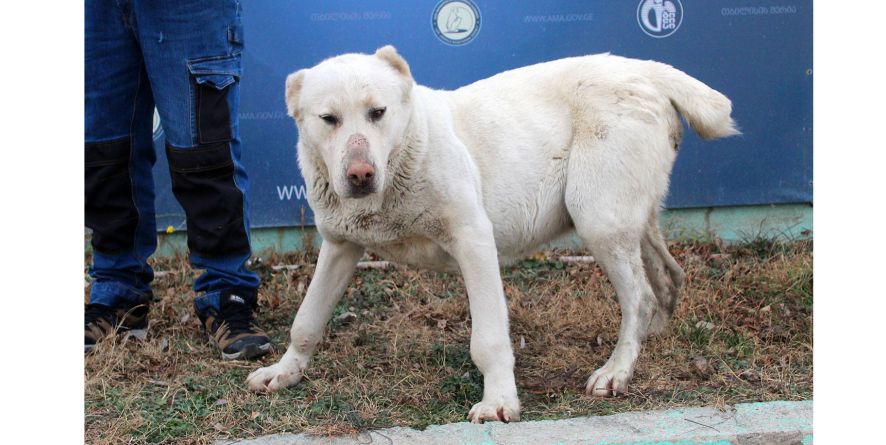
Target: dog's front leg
x=335, y=268
x=473, y=247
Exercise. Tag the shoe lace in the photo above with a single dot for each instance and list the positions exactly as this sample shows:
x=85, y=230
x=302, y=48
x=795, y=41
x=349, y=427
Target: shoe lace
x=238, y=318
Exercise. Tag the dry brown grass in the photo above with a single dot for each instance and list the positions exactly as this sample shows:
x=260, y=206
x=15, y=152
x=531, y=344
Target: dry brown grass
x=742, y=332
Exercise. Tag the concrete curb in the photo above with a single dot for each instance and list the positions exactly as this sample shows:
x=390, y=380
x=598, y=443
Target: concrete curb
x=742, y=424
x=731, y=224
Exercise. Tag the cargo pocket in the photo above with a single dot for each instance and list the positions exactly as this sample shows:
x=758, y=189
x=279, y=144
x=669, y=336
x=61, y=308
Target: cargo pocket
x=110, y=206
x=212, y=79
x=203, y=183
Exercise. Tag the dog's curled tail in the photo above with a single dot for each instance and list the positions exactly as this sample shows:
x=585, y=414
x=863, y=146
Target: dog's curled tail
x=707, y=110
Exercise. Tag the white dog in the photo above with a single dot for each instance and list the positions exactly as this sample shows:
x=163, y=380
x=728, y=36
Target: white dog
x=468, y=179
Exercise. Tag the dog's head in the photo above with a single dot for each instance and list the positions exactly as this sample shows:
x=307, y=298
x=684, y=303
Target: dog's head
x=352, y=113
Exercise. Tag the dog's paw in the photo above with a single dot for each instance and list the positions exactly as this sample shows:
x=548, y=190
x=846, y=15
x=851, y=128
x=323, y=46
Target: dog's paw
x=608, y=381
x=502, y=412
x=273, y=378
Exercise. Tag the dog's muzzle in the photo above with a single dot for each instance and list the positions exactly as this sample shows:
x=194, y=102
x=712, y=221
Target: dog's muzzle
x=360, y=170
x=361, y=178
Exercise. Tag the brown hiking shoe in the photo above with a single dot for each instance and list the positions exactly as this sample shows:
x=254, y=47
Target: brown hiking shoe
x=104, y=321
x=233, y=329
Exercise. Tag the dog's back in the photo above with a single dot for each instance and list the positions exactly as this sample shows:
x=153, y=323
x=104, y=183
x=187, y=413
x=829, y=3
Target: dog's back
x=595, y=84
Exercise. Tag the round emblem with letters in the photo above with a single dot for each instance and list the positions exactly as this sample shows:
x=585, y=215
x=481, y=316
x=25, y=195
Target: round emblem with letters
x=659, y=18
x=456, y=22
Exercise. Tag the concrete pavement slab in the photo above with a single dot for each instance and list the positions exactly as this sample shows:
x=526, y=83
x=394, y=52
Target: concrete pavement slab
x=742, y=424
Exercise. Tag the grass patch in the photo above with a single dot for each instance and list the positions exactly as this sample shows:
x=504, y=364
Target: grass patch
x=745, y=314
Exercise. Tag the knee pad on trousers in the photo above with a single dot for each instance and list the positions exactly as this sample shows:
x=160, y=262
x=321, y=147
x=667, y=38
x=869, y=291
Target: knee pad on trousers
x=203, y=183
x=110, y=204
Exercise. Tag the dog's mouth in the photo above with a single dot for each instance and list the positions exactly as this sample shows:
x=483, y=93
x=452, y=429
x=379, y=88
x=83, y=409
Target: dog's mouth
x=360, y=191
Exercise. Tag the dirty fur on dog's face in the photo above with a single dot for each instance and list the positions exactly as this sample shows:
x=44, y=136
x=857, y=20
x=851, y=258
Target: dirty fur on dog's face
x=352, y=117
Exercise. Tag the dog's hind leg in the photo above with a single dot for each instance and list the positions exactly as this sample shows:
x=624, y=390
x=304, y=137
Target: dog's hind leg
x=609, y=205
x=618, y=252
x=617, y=174
x=665, y=276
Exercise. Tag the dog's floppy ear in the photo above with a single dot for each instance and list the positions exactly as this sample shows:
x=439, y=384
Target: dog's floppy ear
x=389, y=54
x=293, y=89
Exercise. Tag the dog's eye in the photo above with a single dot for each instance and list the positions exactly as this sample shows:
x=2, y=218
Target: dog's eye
x=329, y=119
x=376, y=113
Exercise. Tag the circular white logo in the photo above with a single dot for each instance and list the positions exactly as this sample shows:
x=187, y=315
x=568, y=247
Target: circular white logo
x=659, y=18
x=456, y=22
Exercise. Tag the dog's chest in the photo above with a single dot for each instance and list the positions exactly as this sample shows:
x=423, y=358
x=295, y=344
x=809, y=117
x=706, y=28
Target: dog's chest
x=405, y=235
x=367, y=229
x=417, y=252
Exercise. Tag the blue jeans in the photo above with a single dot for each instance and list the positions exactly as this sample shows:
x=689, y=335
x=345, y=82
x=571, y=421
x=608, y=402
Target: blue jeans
x=182, y=56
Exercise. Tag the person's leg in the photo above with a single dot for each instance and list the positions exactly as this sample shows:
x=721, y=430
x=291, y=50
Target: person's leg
x=119, y=155
x=192, y=52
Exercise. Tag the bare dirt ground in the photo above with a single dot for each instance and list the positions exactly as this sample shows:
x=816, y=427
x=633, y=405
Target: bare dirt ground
x=742, y=332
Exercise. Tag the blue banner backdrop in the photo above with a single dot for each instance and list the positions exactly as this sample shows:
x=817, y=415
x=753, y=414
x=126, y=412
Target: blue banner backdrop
x=759, y=53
